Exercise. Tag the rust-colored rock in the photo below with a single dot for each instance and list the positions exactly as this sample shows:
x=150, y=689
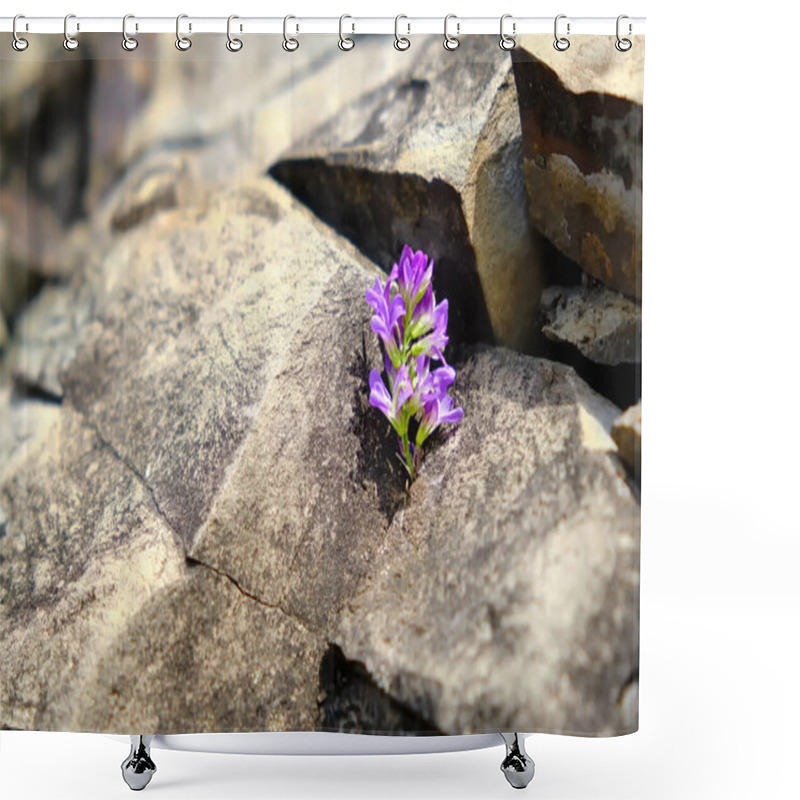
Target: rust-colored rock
x=581, y=113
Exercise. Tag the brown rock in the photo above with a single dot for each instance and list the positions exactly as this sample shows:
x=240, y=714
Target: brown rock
x=505, y=594
x=105, y=627
x=433, y=158
x=603, y=325
x=581, y=114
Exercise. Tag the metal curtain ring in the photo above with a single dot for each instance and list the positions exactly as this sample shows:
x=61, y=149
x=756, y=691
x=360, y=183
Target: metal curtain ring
x=401, y=42
x=70, y=42
x=17, y=42
x=129, y=43
x=507, y=42
x=233, y=44
x=451, y=42
x=623, y=45
x=345, y=42
x=290, y=44
x=560, y=43
x=182, y=42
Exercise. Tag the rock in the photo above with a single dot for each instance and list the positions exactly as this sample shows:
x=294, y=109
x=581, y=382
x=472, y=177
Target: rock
x=202, y=343
x=200, y=657
x=505, y=594
x=198, y=312
x=627, y=433
x=605, y=326
x=581, y=117
x=44, y=132
x=306, y=503
x=434, y=158
x=46, y=338
x=105, y=627
x=20, y=419
x=219, y=116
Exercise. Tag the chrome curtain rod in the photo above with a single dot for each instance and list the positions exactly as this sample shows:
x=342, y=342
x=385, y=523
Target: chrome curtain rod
x=458, y=26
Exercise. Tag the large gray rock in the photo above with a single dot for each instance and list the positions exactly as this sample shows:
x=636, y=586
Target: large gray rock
x=433, y=158
x=103, y=624
x=208, y=332
x=505, y=594
x=197, y=313
x=603, y=325
x=581, y=114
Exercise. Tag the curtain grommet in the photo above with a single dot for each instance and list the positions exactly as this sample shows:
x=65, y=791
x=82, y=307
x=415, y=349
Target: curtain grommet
x=234, y=44
x=623, y=45
x=70, y=42
x=451, y=42
x=129, y=43
x=561, y=43
x=17, y=42
x=183, y=43
x=290, y=44
x=507, y=42
x=401, y=43
x=345, y=42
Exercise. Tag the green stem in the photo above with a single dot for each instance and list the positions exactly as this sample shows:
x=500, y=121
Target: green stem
x=407, y=455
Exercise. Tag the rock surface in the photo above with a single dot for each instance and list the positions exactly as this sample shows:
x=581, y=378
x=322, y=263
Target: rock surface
x=226, y=320
x=506, y=591
x=105, y=627
x=434, y=157
x=203, y=523
x=581, y=114
x=627, y=433
x=602, y=324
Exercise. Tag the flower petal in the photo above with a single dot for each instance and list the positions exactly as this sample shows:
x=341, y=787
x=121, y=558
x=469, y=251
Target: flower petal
x=378, y=396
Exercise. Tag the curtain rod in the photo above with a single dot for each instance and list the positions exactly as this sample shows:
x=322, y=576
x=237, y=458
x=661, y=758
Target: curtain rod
x=331, y=25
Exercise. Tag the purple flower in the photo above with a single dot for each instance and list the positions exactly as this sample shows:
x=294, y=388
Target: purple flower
x=387, y=318
x=438, y=410
x=437, y=339
x=413, y=273
x=390, y=404
x=413, y=331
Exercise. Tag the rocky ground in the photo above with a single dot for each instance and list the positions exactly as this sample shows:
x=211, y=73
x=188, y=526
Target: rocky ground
x=203, y=524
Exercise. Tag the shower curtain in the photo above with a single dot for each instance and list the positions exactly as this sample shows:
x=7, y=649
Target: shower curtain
x=320, y=398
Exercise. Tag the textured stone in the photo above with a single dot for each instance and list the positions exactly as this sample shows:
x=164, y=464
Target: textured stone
x=434, y=158
x=195, y=313
x=581, y=114
x=220, y=116
x=208, y=332
x=505, y=593
x=105, y=627
x=603, y=325
x=627, y=433
x=307, y=502
x=20, y=418
x=46, y=337
x=200, y=657
x=193, y=487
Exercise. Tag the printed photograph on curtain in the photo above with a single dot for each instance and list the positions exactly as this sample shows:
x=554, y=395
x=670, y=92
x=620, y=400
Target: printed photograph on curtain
x=320, y=386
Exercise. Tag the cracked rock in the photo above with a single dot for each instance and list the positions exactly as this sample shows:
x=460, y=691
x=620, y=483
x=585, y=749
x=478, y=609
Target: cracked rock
x=581, y=114
x=505, y=593
x=434, y=157
x=105, y=627
x=197, y=313
x=603, y=325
